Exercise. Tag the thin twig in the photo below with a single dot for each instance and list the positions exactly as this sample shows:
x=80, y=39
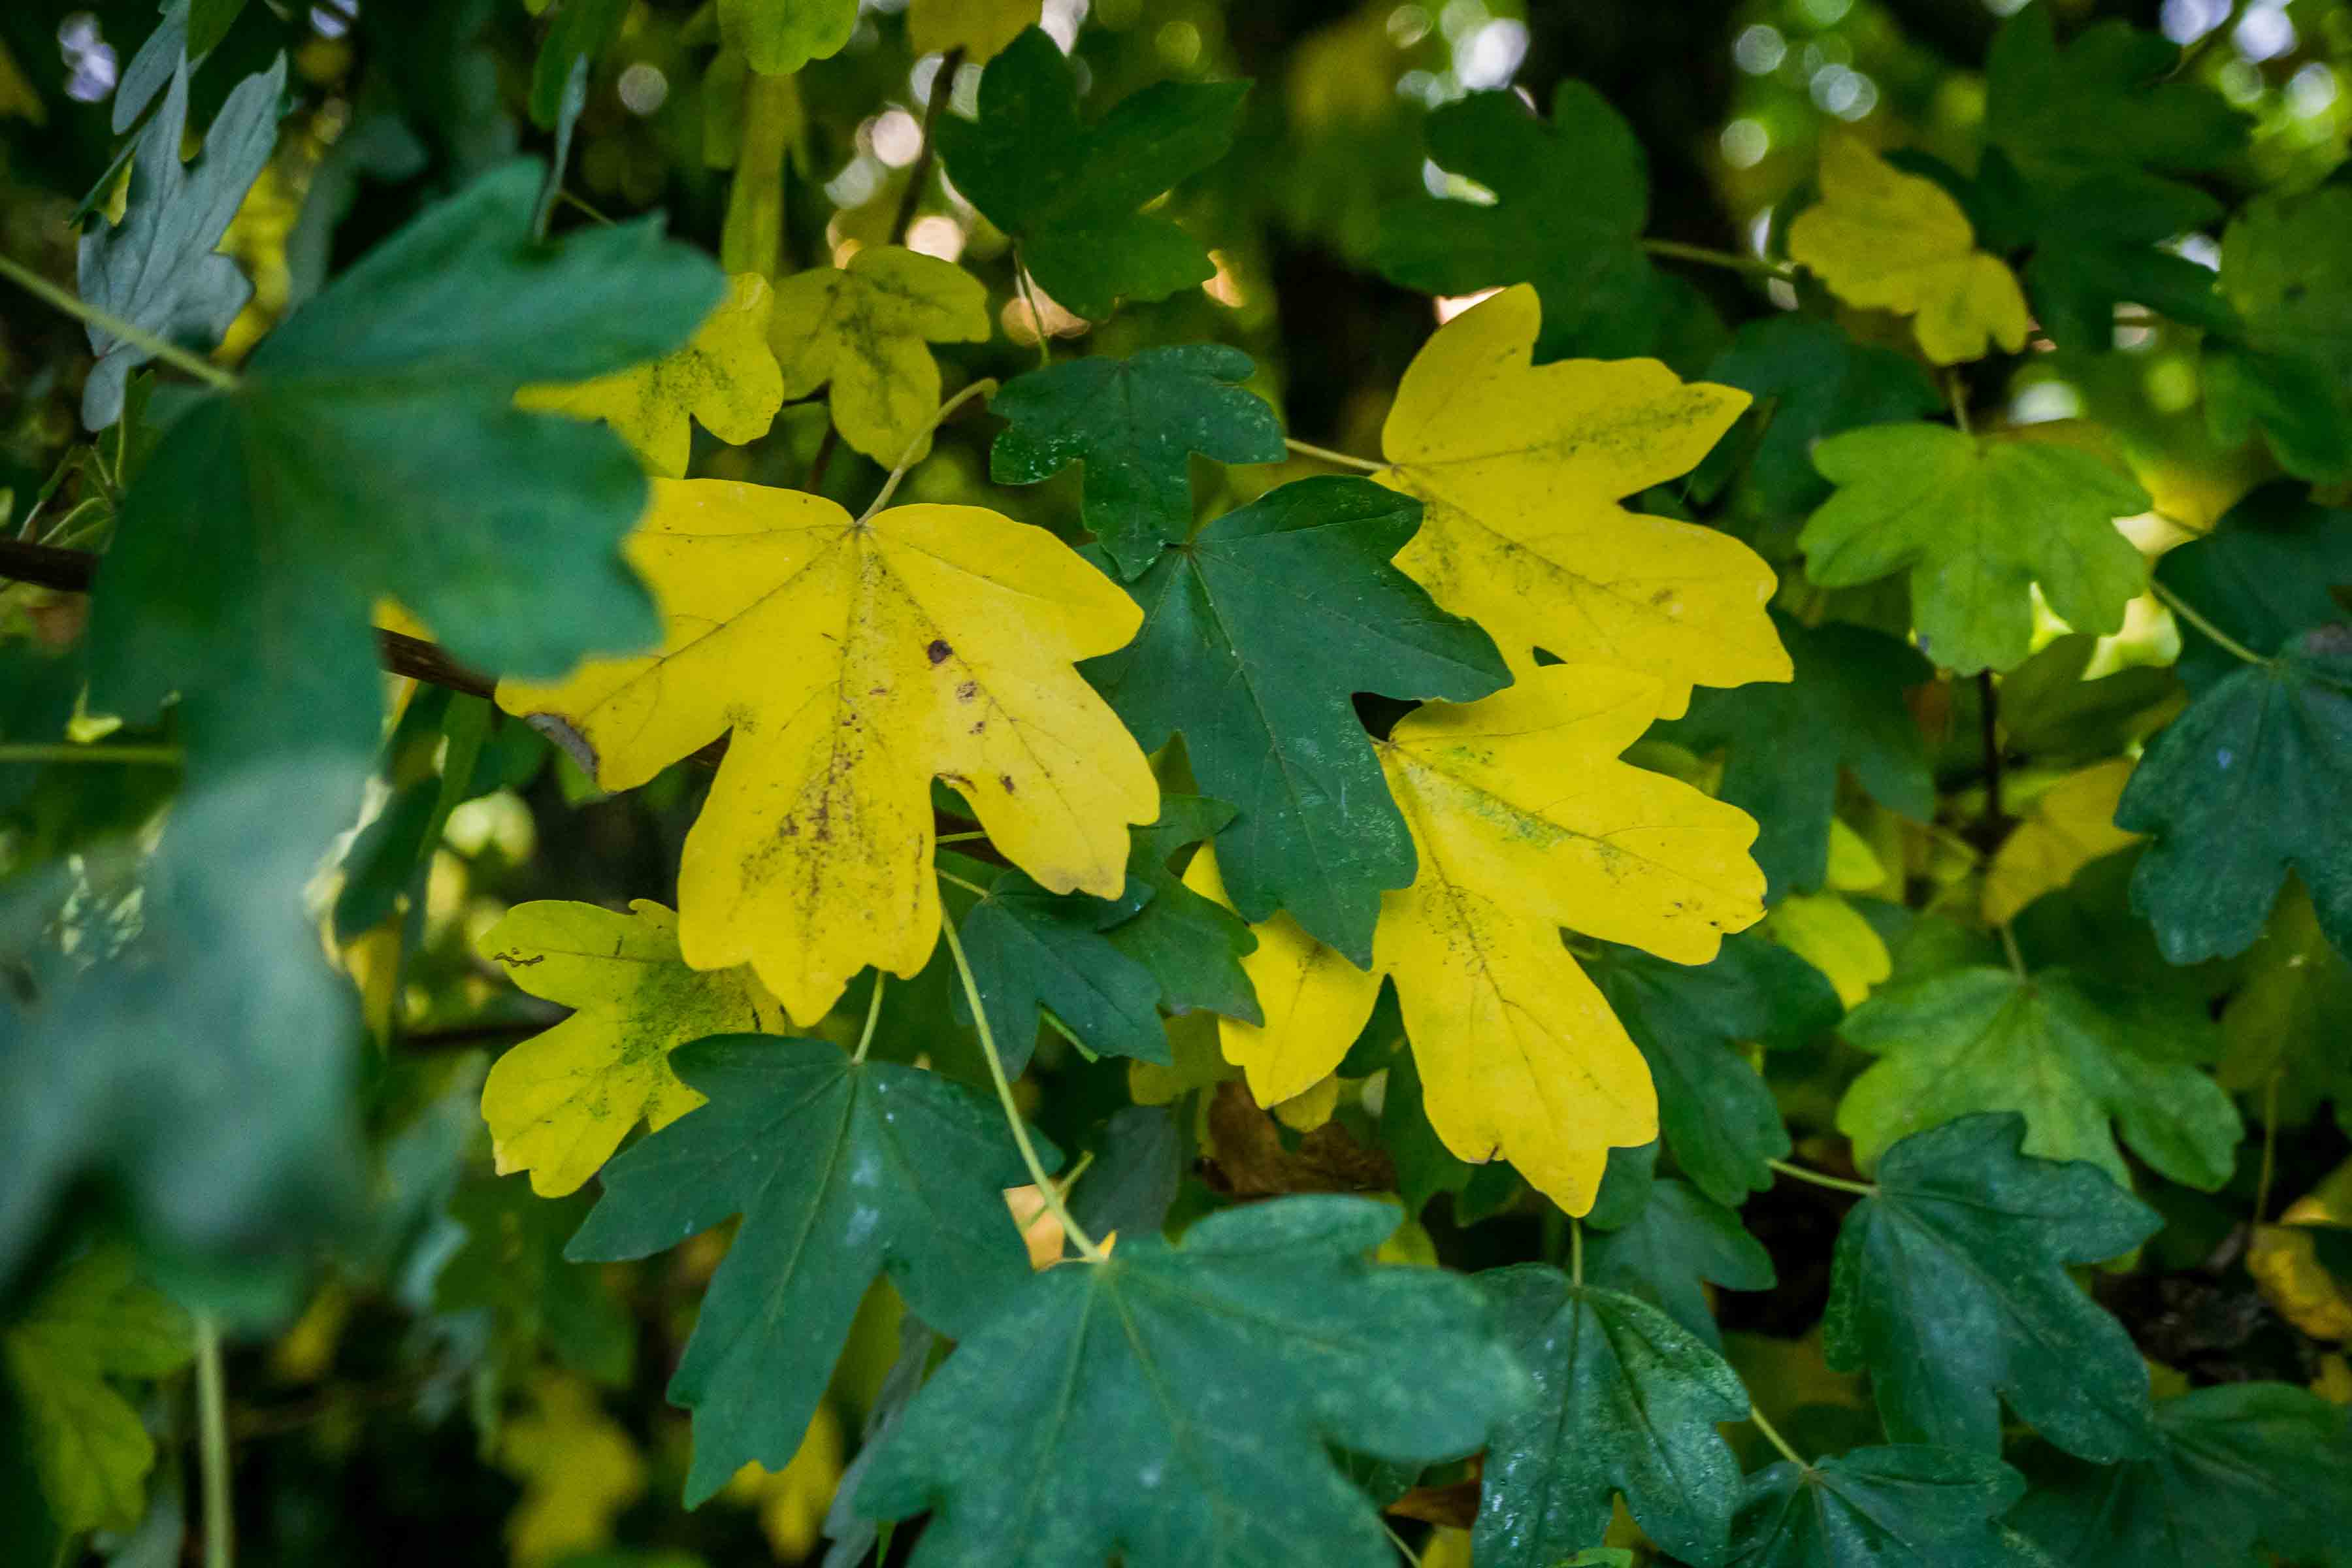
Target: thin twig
x=1835, y=1184
x=1729, y=260
x=164, y=349
x=212, y=1414
x=161, y=756
x=1088, y=1247
x=1988, y=734
x=1325, y=454
x=942, y=90
x=2269, y=1145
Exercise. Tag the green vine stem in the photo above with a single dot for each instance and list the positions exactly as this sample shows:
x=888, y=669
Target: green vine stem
x=1729, y=260
x=164, y=349
x=2188, y=612
x=1773, y=1436
x=212, y=1415
x=66, y=752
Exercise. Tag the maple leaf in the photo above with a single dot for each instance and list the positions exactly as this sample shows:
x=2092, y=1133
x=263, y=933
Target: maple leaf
x=2051, y=714
x=779, y=36
x=1714, y=1110
x=2280, y=1029
x=1193, y=945
x=854, y=660
x=1627, y=1401
x=1185, y=1412
x=725, y=376
x=2240, y=1470
x=1827, y=932
x=578, y=1468
x=841, y=1170
x=91, y=1326
x=1887, y=240
x=2071, y=1056
x=862, y=328
x=1520, y=468
x=157, y=268
x=1951, y=1285
x=1978, y=520
x=1673, y=1246
x=397, y=378
x=2069, y=825
x=1030, y=950
x=1067, y=192
x=1570, y=199
x=1842, y=708
x=1877, y=1508
x=511, y=1267
x=2271, y=568
x=2286, y=269
x=980, y=28
x=1256, y=632
x=1133, y=422
x=2112, y=99
x=560, y=1103
x=1519, y=1055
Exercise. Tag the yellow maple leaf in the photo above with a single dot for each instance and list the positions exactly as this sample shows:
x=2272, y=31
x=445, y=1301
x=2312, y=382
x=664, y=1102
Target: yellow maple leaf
x=726, y=376
x=1519, y=1054
x=980, y=28
x=864, y=328
x=1886, y=240
x=854, y=660
x=560, y=1103
x=578, y=1470
x=1828, y=932
x=792, y=1501
x=1520, y=468
x=2069, y=825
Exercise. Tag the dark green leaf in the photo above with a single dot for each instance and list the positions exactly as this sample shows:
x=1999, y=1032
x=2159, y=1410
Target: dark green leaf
x=1254, y=636
x=1192, y=946
x=2110, y=100
x=2241, y=789
x=1626, y=1184
x=2096, y=247
x=1904, y=1507
x=1137, y=1167
x=157, y=270
x=2269, y=569
x=2050, y=713
x=1067, y=192
x=1172, y=1404
x=2286, y=268
x=2240, y=1471
x=582, y=30
x=1787, y=741
x=382, y=857
x=1667, y=1254
x=1134, y=423
x=512, y=1267
x=1626, y=1402
x=1030, y=949
x=841, y=1170
x=1950, y=1285
x=373, y=449
x=1713, y=1108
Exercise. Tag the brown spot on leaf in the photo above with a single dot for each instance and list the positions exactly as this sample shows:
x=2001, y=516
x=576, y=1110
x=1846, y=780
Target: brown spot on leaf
x=1006, y=780
x=966, y=690
x=938, y=651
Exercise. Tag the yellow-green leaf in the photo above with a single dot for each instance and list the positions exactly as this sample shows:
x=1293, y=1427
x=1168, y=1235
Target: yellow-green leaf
x=2070, y=824
x=1829, y=933
x=560, y=1103
x=726, y=376
x=1517, y=1053
x=1520, y=468
x=780, y=37
x=979, y=27
x=578, y=1469
x=1891, y=241
x=853, y=662
x=864, y=327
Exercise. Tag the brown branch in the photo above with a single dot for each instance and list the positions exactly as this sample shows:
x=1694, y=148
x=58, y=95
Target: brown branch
x=942, y=88
x=68, y=571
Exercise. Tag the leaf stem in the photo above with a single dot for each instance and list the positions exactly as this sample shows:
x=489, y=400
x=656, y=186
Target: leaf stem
x=873, y=1016
x=2270, y=1144
x=1729, y=260
x=1819, y=1179
x=1036, y=316
x=961, y=837
x=2009, y=948
x=1575, y=1251
x=2188, y=612
x=1307, y=450
x=1397, y=1540
x=1773, y=1436
x=985, y=387
x=1086, y=1244
x=952, y=878
x=66, y=752
x=1958, y=396
x=164, y=349
x=212, y=1414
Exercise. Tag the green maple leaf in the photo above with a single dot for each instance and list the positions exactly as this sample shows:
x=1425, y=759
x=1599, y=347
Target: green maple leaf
x=1134, y=423
x=1255, y=634
x=2050, y=713
x=1193, y=946
x=1067, y=192
x=1571, y=199
x=1714, y=1110
x=1901, y=1507
x=1627, y=1401
x=2240, y=790
x=2096, y=247
x=2070, y=1054
x=1032, y=950
x=2286, y=269
x=842, y=1171
x=157, y=268
x=1978, y=522
x=778, y=37
x=371, y=448
x=1811, y=379
x=2110, y=99
x=1676, y=1245
x=1950, y=1285
x=93, y=1326
x=512, y=1267
x=2269, y=569
x=2240, y=1471
x=1175, y=1404
x=1786, y=744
